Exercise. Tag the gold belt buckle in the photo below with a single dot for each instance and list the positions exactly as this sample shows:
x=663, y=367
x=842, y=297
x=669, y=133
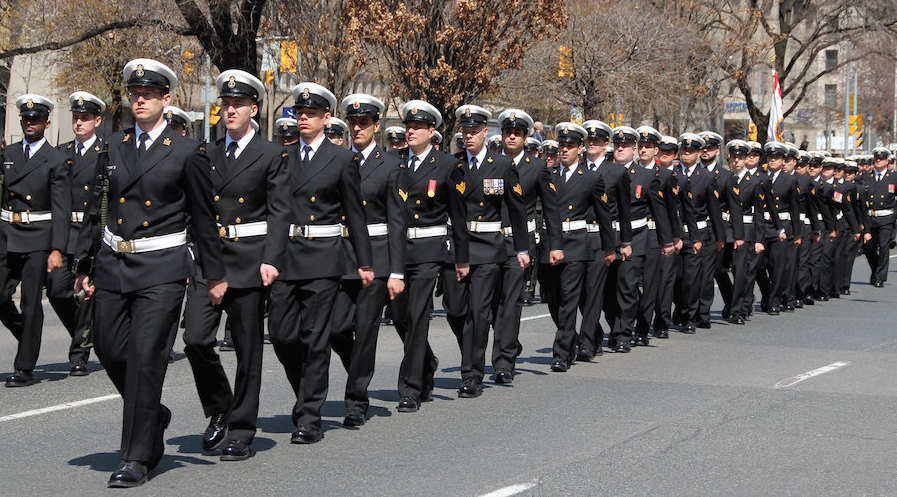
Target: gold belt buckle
x=125, y=246
x=222, y=232
x=17, y=217
x=345, y=231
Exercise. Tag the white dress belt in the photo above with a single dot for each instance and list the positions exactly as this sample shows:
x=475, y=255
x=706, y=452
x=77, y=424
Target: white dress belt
x=701, y=225
x=595, y=228
x=77, y=217
x=637, y=223
x=575, y=225
x=426, y=232
x=24, y=217
x=376, y=229
x=316, y=230
x=530, y=228
x=783, y=216
x=148, y=244
x=484, y=226
x=839, y=216
x=232, y=231
x=881, y=213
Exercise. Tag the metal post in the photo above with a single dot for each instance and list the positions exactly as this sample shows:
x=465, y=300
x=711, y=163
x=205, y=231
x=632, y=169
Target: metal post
x=207, y=96
x=894, y=132
x=856, y=96
x=847, y=112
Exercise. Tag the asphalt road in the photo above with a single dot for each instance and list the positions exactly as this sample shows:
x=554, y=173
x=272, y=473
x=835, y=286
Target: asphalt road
x=799, y=404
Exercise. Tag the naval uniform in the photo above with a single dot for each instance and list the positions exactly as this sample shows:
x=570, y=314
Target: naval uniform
x=250, y=195
x=36, y=207
x=880, y=202
x=141, y=268
x=723, y=257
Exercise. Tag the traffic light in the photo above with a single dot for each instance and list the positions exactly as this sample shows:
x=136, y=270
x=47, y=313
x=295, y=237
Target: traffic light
x=289, y=56
x=856, y=122
x=188, y=61
x=213, y=115
x=752, y=131
x=269, y=77
x=565, y=62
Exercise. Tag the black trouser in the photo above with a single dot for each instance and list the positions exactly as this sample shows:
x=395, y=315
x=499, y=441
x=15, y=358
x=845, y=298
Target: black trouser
x=779, y=260
x=411, y=312
x=570, y=283
x=752, y=266
x=653, y=281
x=31, y=269
x=355, y=328
x=591, y=336
x=299, y=328
x=133, y=333
x=245, y=308
x=548, y=289
x=877, y=249
x=696, y=272
x=74, y=317
x=455, y=301
x=828, y=265
x=484, y=280
x=741, y=292
x=720, y=269
x=629, y=275
x=839, y=255
x=663, y=310
x=506, y=346
x=815, y=267
x=801, y=270
x=851, y=251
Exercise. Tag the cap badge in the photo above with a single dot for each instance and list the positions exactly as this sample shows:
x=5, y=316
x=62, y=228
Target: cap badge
x=565, y=130
x=513, y=116
x=355, y=105
x=645, y=134
x=592, y=129
x=688, y=141
x=305, y=93
x=414, y=110
x=139, y=72
x=29, y=104
x=169, y=115
x=467, y=112
x=80, y=100
x=392, y=134
x=232, y=82
x=285, y=126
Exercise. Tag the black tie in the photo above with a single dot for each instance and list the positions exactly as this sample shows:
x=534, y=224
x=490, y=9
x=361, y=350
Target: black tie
x=142, y=147
x=80, y=149
x=413, y=164
x=473, y=163
x=564, y=170
x=306, y=154
x=232, y=151
x=27, y=152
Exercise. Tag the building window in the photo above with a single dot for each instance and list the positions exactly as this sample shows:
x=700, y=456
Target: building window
x=831, y=59
x=831, y=96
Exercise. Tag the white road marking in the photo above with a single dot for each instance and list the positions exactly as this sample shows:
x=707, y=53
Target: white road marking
x=59, y=407
x=539, y=316
x=794, y=380
x=512, y=490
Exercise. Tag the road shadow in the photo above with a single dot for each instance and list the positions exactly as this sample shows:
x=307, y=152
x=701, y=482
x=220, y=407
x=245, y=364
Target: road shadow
x=192, y=444
x=107, y=462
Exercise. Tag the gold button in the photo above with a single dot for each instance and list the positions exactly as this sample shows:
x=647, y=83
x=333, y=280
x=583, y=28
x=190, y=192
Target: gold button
x=217, y=217
x=237, y=220
x=343, y=218
x=312, y=199
x=570, y=207
x=364, y=202
x=12, y=194
x=240, y=200
x=568, y=219
x=417, y=201
x=119, y=221
x=85, y=204
x=86, y=188
x=121, y=200
x=27, y=197
x=236, y=238
x=481, y=204
x=148, y=203
x=216, y=198
x=417, y=216
x=479, y=218
x=311, y=218
x=145, y=224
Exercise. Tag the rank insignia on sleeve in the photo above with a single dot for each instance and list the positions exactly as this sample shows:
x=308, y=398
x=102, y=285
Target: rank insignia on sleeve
x=604, y=197
x=660, y=192
x=518, y=189
x=126, y=138
x=69, y=147
x=166, y=142
x=460, y=187
x=403, y=194
x=716, y=193
x=553, y=188
x=812, y=191
x=735, y=190
x=676, y=190
x=689, y=195
x=762, y=197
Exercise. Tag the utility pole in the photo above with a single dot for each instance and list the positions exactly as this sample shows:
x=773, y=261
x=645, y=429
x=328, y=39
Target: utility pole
x=894, y=132
x=207, y=96
x=847, y=112
x=856, y=96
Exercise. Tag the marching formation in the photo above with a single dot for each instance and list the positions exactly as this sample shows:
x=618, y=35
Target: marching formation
x=322, y=239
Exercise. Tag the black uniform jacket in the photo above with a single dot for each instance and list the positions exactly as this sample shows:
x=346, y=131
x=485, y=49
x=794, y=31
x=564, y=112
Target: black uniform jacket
x=382, y=187
x=39, y=184
x=435, y=195
x=492, y=186
x=783, y=196
x=646, y=201
x=584, y=196
x=149, y=196
x=534, y=179
x=326, y=191
x=881, y=195
x=253, y=188
x=743, y=202
x=82, y=177
x=699, y=199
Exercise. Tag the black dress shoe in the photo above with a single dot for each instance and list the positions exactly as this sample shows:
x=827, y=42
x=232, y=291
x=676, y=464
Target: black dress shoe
x=306, y=435
x=773, y=311
x=809, y=301
x=129, y=474
x=689, y=329
x=799, y=304
x=20, y=378
x=407, y=404
x=584, y=355
x=662, y=334
x=736, y=320
x=726, y=314
x=764, y=306
x=162, y=422
x=623, y=348
x=469, y=389
x=171, y=357
x=559, y=366
x=215, y=432
x=354, y=419
x=79, y=369
x=527, y=301
x=788, y=307
x=236, y=450
x=822, y=298
x=879, y=284
x=704, y=325
x=504, y=378
x=845, y=292
x=226, y=346
x=641, y=341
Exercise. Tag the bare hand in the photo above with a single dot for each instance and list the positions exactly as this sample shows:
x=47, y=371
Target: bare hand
x=816, y=237
x=782, y=237
x=269, y=274
x=866, y=238
x=462, y=270
x=523, y=259
x=759, y=248
x=738, y=244
x=697, y=246
x=395, y=287
x=626, y=251
x=667, y=250
x=54, y=261
x=796, y=240
x=609, y=258
x=217, y=289
x=82, y=282
x=677, y=245
x=719, y=245
x=367, y=276
x=555, y=257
